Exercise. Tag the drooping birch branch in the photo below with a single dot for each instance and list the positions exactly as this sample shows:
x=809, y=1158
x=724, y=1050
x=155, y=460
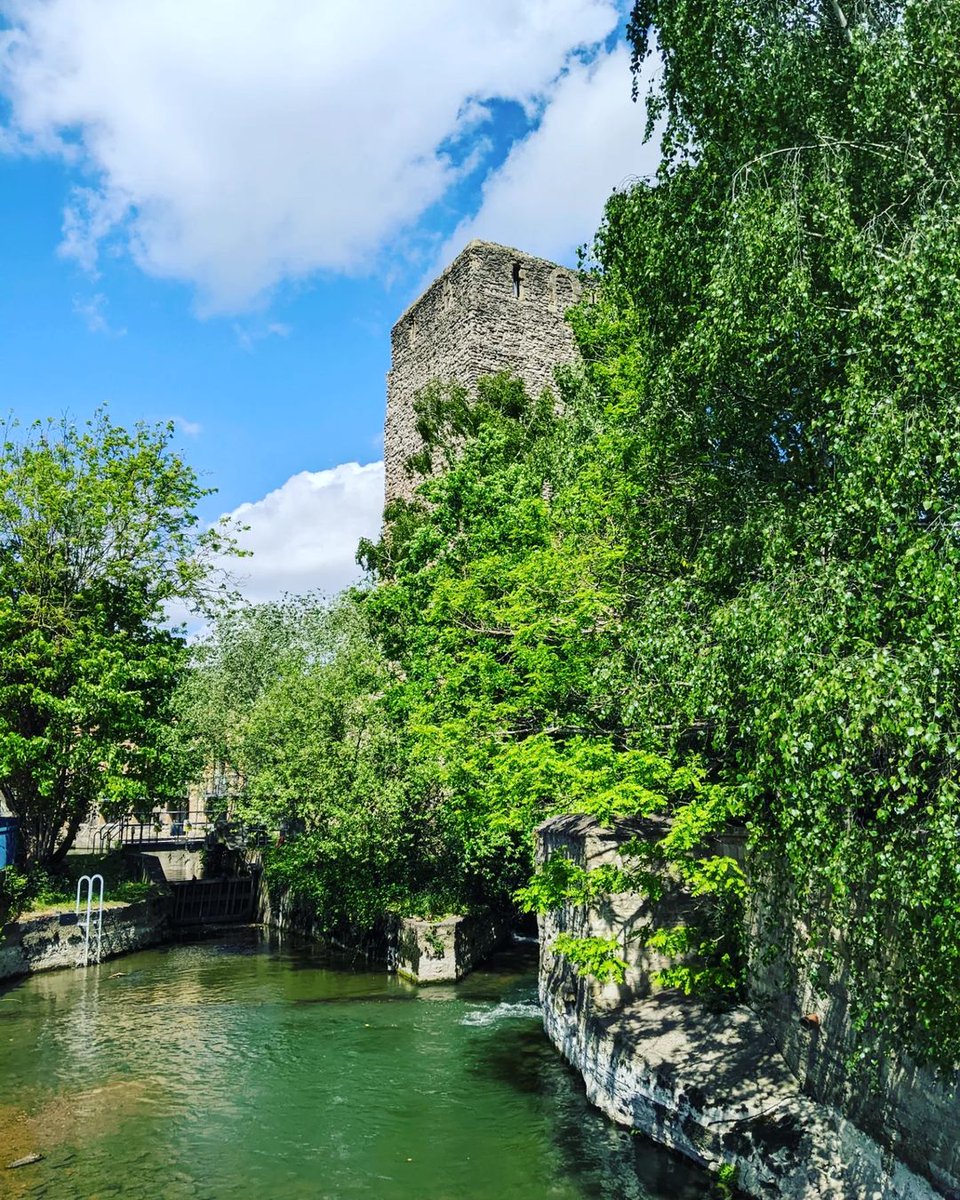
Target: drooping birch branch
x=841, y=20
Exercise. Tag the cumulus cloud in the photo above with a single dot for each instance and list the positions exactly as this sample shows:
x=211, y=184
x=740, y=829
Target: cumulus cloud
x=234, y=146
x=304, y=535
x=548, y=195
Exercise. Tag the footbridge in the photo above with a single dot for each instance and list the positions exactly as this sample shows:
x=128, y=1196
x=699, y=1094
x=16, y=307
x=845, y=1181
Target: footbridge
x=206, y=866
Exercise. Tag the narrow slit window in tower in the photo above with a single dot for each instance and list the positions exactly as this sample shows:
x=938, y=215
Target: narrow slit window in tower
x=517, y=280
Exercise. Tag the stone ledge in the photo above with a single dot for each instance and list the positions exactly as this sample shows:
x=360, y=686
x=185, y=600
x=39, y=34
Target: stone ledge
x=713, y=1087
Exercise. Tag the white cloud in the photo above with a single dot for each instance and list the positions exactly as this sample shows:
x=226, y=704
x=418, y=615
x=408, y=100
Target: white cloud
x=188, y=428
x=93, y=313
x=548, y=196
x=249, y=335
x=304, y=535
x=237, y=145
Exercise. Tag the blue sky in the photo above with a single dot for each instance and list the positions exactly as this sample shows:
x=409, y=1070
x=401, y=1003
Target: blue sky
x=213, y=213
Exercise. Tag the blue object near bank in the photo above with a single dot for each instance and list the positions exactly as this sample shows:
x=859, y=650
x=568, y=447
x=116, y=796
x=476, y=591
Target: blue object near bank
x=8, y=841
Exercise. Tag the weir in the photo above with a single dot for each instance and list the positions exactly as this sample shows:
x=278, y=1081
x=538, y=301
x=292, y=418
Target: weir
x=214, y=901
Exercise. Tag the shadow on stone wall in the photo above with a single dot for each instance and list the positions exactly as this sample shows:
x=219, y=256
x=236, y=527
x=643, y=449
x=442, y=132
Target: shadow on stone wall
x=755, y=1086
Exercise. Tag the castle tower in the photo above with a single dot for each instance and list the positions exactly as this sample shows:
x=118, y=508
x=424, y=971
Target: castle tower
x=493, y=309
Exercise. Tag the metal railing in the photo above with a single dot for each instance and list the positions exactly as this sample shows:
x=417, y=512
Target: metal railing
x=177, y=829
x=166, y=831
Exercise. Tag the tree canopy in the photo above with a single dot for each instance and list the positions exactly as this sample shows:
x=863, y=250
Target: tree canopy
x=734, y=547
x=294, y=698
x=98, y=533
x=778, y=349
x=715, y=574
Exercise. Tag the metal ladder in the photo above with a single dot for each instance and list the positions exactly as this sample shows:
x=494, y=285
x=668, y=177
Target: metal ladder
x=85, y=923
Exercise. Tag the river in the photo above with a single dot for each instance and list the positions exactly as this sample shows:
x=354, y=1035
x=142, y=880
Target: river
x=239, y=1068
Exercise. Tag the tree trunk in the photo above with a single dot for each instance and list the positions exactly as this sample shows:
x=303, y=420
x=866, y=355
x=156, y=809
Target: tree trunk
x=59, y=852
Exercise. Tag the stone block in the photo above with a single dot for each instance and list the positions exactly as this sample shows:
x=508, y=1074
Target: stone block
x=443, y=950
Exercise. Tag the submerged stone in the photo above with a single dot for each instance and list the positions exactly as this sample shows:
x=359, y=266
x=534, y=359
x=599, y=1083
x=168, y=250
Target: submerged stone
x=27, y=1161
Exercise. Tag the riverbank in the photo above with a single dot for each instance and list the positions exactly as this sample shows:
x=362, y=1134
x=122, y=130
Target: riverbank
x=717, y=1086
x=49, y=940
x=423, y=951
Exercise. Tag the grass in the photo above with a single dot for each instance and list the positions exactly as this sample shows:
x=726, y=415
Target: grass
x=57, y=899
x=41, y=892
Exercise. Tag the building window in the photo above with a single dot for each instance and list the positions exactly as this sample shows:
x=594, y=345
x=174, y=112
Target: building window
x=517, y=281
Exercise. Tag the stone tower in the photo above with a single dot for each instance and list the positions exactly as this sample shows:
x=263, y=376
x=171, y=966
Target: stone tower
x=493, y=309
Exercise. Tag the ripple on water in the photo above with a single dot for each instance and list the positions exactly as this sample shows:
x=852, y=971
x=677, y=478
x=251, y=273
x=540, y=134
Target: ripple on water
x=482, y=1017
x=208, y=1072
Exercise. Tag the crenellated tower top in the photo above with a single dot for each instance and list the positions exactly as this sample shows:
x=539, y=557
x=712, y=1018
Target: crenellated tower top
x=493, y=309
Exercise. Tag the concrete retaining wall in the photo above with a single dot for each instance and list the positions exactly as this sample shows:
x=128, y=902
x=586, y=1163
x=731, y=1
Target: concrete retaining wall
x=444, y=950
x=42, y=943
x=178, y=865
x=419, y=949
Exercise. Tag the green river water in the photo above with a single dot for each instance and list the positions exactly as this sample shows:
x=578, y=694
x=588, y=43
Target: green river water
x=237, y=1068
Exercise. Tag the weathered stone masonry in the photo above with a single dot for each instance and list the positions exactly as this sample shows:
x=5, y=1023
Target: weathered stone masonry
x=51, y=940
x=755, y=1087
x=493, y=309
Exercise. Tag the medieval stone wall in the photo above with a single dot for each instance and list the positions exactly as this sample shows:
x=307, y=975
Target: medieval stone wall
x=493, y=309
x=757, y=1087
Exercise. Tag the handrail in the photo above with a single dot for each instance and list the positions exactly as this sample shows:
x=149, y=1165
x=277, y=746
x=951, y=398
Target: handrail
x=154, y=829
x=89, y=880
x=105, y=834
x=176, y=828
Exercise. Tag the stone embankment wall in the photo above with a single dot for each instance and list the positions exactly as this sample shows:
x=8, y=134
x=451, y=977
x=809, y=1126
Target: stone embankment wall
x=444, y=950
x=493, y=309
x=277, y=909
x=911, y=1110
x=50, y=940
x=717, y=1086
x=420, y=949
